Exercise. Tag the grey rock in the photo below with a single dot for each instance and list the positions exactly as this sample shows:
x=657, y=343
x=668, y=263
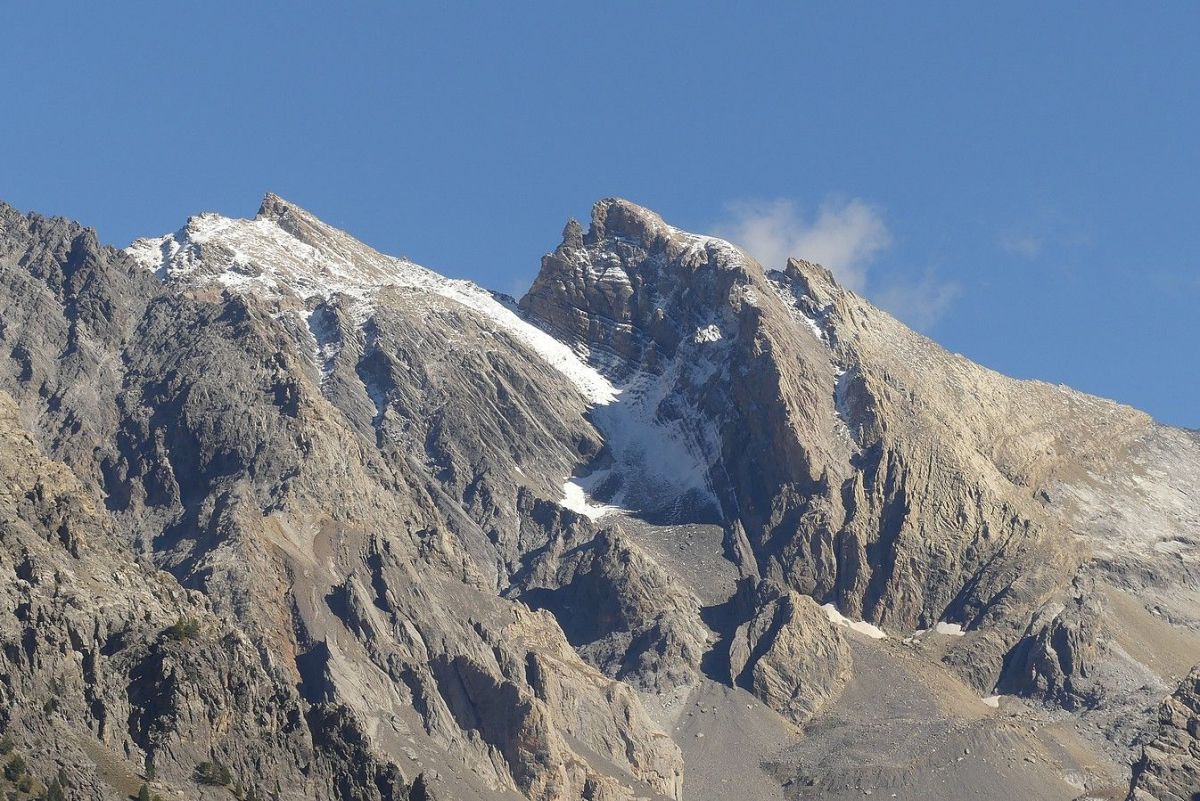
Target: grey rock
x=1054, y=659
x=348, y=473
x=789, y=655
x=1169, y=768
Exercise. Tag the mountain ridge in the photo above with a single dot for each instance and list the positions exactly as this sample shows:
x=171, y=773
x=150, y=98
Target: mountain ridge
x=519, y=552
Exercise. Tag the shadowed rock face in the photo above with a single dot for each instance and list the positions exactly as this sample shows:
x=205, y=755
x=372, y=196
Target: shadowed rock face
x=106, y=657
x=347, y=527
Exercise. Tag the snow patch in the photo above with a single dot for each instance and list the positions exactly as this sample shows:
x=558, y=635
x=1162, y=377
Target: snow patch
x=861, y=626
x=662, y=447
x=322, y=324
x=260, y=257
x=704, y=242
x=814, y=322
x=812, y=325
x=709, y=333
x=992, y=700
x=952, y=629
x=575, y=499
x=841, y=403
x=587, y=379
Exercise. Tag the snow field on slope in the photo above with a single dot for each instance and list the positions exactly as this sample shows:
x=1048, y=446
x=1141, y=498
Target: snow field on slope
x=575, y=499
x=267, y=260
x=660, y=461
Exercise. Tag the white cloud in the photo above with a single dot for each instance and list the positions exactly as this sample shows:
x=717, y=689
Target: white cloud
x=921, y=304
x=843, y=237
x=1025, y=246
x=1048, y=232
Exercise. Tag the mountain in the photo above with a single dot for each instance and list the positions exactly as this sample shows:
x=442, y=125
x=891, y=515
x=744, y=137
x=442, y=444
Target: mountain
x=287, y=516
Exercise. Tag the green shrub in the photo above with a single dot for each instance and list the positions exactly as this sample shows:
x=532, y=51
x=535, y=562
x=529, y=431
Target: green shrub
x=214, y=773
x=54, y=792
x=6, y=745
x=15, y=769
x=183, y=629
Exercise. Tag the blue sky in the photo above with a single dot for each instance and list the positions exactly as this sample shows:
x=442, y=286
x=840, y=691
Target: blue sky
x=1018, y=182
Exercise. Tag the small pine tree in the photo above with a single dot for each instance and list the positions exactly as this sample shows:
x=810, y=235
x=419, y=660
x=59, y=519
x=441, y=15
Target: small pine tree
x=214, y=773
x=55, y=791
x=206, y=773
x=15, y=768
x=183, y=629
x=144, y=792
x=6, y=745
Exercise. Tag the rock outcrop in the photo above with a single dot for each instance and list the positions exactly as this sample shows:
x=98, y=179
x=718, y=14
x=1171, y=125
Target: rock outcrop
x=1169, y=769
x=789, y=654
x=1054, y=659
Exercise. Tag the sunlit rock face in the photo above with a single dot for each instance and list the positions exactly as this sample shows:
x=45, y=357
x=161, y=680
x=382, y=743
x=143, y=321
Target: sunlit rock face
x=279, y=504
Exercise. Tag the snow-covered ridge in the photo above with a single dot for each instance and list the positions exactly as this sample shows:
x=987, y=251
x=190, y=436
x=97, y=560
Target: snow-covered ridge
x=265, y=258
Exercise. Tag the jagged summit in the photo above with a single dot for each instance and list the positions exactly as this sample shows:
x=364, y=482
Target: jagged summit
x=286, y=255
x=622, y=218
x=620, y=221
x=273, y=207
x=630, y=257
x=283, y=248
x=813, y=279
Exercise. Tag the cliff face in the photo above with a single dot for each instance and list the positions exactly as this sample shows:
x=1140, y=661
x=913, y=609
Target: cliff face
x=109, y=661
x=866, y=466
x=355, y=530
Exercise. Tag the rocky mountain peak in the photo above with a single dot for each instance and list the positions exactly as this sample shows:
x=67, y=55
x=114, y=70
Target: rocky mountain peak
x=344, y=526
x=284, y=251
x=314, y=232
x=572, y=235
x=812, y=280
x=273, y=207
x=617, y=217
x=633, y=282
